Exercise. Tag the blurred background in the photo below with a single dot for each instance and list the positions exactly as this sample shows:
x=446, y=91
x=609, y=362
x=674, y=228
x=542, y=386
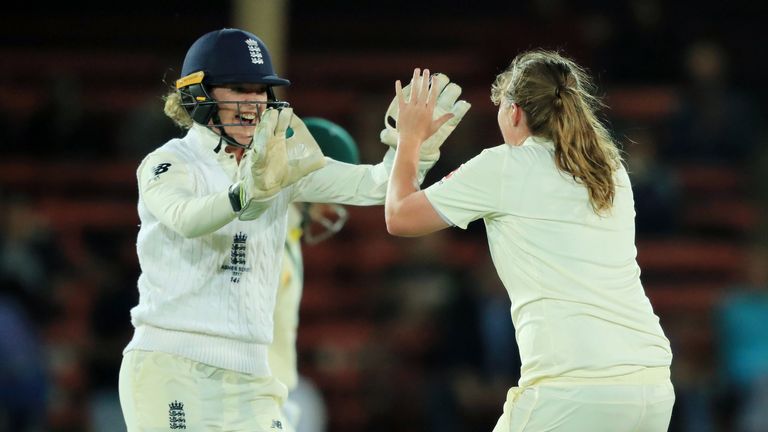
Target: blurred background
x=395, y=334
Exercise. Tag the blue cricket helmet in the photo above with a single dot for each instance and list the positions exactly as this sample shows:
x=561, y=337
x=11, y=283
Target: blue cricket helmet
x=231, y=56
x=221, y=57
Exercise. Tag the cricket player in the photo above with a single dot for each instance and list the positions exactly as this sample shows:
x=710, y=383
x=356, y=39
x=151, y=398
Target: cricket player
x=337, y=144
x=213, y=209
x=559, y=215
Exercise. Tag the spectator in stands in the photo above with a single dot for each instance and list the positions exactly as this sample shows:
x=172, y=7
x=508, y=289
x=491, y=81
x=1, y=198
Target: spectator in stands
x=622, y=29
x=29, y=261
x=741, y=323
x=476, y=358
x=112, y=276
x=29, y=256
x=658, y=200
x=142, y=128
x=24, y=380
x=716, y=123
x=63, y=127
x=426, y=332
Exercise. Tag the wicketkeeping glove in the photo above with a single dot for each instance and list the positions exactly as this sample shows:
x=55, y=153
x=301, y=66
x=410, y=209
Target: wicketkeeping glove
x=304, y=153
x=274, y=162
x=447, y=102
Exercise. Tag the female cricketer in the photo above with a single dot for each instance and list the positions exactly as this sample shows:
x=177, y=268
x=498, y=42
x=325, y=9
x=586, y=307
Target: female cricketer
x=559, y=215
x=213, y=209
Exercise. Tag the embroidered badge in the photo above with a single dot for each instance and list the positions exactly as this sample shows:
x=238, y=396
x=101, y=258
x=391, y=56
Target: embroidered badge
x=254, y=51
x=237, y=258
x=176, y=419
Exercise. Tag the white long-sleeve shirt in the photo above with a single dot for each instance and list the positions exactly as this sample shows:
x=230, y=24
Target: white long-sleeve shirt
x=208, y=281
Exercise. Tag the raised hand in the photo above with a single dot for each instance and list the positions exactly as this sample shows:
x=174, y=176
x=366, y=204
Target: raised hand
x=265, y=167
x=415, y=123
x=304, y=153
x=447, y=102
x=275, y=161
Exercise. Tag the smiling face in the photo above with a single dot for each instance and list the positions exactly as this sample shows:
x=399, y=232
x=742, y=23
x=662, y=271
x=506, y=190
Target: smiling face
x=240, y=107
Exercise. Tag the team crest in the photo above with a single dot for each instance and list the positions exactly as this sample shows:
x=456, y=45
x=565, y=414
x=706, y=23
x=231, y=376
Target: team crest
x=237, y=264
x=176, y=417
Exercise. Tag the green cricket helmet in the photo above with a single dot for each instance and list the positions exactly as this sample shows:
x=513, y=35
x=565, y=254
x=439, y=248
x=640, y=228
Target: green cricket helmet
x=334, y=140
x=322, y=221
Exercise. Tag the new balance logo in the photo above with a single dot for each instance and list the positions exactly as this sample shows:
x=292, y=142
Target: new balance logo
x=176, y=418
x=277, y=424
x=160, y=168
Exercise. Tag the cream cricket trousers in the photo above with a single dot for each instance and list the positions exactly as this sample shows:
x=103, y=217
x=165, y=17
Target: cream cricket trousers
x=165, y=392
x=641, y=404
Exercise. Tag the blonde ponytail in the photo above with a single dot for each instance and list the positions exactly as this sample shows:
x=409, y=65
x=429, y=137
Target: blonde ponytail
x=557, y=98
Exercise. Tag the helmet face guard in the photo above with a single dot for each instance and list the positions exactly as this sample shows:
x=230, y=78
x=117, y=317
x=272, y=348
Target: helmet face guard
x=321, y=222
x=202, y=107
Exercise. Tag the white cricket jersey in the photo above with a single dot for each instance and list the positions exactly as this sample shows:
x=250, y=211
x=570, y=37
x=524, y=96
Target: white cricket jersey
x=578, y=305
x=208, y=281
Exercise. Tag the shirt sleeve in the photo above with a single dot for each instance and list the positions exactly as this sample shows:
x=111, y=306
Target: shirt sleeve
x=168, y=190
x=470, y=192
x=343, y=183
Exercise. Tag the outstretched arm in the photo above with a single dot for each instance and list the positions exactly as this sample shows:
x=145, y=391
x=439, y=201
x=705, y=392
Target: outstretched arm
x=407, y=210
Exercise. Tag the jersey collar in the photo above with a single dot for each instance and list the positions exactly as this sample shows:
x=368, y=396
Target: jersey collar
x=536, y=140
x=207, y=142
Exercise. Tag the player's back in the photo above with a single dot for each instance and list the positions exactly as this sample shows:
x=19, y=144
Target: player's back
x=577, y=301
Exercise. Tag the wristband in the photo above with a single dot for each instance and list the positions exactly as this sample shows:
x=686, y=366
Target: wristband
x=234, y=197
